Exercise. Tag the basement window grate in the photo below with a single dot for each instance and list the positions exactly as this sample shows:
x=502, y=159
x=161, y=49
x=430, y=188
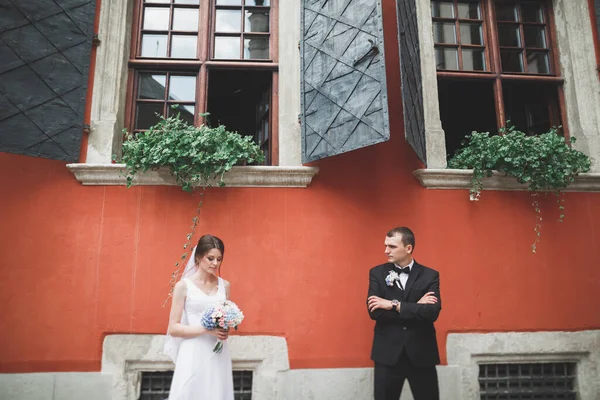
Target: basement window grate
x=156, y=385
x=527, y=381
x=242, y=385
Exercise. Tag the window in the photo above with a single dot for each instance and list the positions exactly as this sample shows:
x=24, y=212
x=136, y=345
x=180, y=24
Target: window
x=241, y=30
x=242, y=385
x=545, y=381
x=156, y=385
x=496, y=65
x=217, y=56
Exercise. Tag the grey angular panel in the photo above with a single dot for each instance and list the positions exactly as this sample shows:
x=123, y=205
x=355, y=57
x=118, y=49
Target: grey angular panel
x=7, y=109
x=24, y=88
x=61, y=31
x=58, y=73
x=36, y=10
x=412, y=81
x=52, y=117
x=343, y=87
x=45, y=48
x=75, y=99
x=18, y=133
x=79, y=56
x=67, y=140
x=71, y=4
x=79, y=14
x=10, y=16
x=9, y=59
x=28, y=43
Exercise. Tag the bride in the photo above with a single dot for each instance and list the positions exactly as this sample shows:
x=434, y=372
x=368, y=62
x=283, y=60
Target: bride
x=199, y=373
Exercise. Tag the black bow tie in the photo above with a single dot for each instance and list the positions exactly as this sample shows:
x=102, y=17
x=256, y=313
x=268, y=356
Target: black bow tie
x=405, y=270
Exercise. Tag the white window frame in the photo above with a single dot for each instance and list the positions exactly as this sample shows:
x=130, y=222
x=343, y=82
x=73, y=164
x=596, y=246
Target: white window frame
x=109, y=104
x=575, y=43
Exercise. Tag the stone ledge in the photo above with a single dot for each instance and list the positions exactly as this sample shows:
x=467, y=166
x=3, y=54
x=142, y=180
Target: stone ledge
x=126, y=356
x=55, y=386
x=252, y=176
x=461, y=179
x=468, y=350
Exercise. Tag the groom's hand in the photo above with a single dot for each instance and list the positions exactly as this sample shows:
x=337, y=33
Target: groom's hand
x=428, y=298
x=375, y=302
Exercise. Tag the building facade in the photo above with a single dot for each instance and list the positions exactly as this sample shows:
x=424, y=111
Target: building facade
x=357, y=105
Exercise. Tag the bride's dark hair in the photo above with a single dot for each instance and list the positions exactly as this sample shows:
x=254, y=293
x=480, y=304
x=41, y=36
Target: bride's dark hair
x=206, y=244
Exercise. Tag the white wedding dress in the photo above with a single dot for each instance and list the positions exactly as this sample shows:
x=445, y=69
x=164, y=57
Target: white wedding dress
x=199, y=373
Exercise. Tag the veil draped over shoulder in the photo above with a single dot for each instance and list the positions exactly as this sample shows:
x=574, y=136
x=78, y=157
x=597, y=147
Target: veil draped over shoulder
x=171, y=348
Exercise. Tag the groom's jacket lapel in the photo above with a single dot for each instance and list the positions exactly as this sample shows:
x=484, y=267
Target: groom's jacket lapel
x=414, y=275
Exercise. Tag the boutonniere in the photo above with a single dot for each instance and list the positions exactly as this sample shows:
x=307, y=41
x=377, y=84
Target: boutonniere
x=392, y=277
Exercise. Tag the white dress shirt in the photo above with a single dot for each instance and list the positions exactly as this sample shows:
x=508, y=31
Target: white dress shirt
x=403, y=276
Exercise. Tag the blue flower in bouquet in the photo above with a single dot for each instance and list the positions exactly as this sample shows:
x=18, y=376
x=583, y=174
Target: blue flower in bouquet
x=225, y=315
x=208, y=322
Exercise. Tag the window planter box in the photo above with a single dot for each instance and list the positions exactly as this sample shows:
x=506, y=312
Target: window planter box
x=461, y=179
x=246, y=176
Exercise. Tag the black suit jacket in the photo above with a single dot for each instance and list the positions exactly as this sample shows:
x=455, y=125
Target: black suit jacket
x=411, y=329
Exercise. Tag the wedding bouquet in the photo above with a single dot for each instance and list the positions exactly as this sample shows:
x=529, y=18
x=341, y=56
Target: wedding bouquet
x=224, y=315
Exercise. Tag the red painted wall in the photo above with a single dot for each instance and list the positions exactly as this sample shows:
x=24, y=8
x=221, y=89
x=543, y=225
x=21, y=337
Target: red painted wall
x=78, y=263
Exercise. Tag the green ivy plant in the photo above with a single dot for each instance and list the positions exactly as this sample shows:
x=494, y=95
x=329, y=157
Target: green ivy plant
x=545, y=163
x=195, y=156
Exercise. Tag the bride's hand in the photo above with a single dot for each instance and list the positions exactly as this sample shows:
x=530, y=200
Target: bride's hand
x=219, y=333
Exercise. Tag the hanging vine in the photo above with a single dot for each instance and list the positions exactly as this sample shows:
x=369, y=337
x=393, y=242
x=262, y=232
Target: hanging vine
x=544, y=163
x=197, y=157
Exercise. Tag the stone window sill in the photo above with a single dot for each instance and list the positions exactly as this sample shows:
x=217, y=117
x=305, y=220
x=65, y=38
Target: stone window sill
x=248, y=176
x=461, y=179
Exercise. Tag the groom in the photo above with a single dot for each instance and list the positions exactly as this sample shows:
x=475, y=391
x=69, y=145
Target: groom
x=404, y=300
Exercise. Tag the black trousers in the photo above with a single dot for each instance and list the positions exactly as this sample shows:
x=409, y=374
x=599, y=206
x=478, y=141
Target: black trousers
x=423, y=381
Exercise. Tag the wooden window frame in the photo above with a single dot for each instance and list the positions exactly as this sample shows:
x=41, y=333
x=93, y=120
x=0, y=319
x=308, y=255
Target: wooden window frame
x=242, y=34
x=493, y=60
x=459, y=45
x=204, y=62
x=165, y=101
x=263, y=140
